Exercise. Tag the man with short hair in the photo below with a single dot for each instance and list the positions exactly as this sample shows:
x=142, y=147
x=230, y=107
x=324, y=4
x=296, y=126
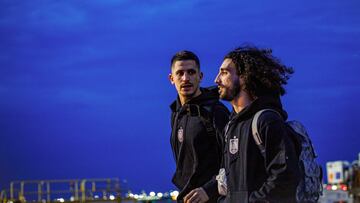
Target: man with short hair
x=198, y=118
x=253, y=80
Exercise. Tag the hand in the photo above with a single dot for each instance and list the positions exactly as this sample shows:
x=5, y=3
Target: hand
x=197, y=195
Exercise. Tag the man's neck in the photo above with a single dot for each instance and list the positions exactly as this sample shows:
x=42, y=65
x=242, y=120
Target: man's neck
x=241, y=101
x=183, y=100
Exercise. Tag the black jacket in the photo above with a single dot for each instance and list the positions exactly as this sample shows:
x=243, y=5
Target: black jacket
x=252, y=177
x=198, y=151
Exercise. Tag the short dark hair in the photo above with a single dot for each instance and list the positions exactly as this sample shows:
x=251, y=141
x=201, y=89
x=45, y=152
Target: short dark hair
x=263, y=74
x=185, y=55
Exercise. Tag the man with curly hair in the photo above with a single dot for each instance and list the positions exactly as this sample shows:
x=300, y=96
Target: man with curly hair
x=253, y=80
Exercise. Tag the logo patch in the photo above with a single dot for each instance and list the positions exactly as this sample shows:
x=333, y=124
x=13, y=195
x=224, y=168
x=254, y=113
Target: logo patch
x=180, y=134
x=234, y=145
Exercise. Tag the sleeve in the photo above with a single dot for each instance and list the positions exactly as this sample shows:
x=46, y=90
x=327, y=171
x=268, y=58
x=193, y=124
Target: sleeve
x=281, y=162
x=173, y=128
x=211, y=188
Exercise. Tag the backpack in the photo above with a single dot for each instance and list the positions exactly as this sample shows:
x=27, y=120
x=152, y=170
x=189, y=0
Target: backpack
x=309, y=188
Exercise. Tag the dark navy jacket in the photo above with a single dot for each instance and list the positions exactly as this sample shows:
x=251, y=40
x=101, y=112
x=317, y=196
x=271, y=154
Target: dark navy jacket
x=197, y=152
x=251, y=176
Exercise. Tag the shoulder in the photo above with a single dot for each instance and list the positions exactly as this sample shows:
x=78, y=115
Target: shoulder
x=217, y=110
x=269, y=117
x=220, y=107
x=220, y=115
x=173, y=106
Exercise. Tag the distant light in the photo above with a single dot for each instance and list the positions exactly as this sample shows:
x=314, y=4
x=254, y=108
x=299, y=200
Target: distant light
x=111, y=197
x=166, y=194
x=141, y=196
x=96, y=196
x=72, y=198
x=136, y=196
x=10, y=201
x=328, y=187
x=152, y=194
x=334, y=187
x=131, y=195
x=343, y=187
x=159, y=194
x=174, y=195
x=60, y=199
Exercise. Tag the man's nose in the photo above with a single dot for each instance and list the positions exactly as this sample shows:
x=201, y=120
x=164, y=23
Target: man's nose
x=186, y=76
x=217, y=79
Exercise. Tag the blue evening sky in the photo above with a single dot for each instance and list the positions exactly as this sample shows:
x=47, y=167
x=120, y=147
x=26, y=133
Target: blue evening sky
x=84, y=88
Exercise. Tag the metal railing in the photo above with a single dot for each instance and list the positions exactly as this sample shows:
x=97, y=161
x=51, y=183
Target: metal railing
x=71, y=190
x=3, y=197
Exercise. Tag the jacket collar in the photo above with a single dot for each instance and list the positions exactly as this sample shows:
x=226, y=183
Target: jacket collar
x=263, y=102
x=207, y=94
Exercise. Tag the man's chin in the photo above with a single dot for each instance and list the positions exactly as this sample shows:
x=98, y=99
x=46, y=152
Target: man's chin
x=225, y=97
x=187, y=94
x=222, y=94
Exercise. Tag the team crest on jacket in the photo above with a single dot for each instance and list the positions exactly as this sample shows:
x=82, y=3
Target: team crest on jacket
x=233, y=145
x=180, y=134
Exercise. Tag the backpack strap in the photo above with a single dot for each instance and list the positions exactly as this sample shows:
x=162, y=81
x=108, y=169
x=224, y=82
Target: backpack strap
x=255, y=130
x=205, y=114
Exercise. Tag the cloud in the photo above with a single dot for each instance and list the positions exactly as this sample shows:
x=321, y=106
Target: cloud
x=75, y=14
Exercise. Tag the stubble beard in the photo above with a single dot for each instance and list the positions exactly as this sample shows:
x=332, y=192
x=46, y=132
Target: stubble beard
x=230, y=93
x=189, y=95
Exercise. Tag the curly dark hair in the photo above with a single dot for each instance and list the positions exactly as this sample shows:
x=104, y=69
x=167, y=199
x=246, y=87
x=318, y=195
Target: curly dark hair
x=263, y=74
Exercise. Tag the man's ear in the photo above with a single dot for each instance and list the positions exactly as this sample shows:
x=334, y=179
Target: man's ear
x=201, y=75
x=171, y=78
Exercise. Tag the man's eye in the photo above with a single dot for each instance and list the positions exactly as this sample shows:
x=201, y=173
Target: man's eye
x=179, y=73
x=191, y=72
